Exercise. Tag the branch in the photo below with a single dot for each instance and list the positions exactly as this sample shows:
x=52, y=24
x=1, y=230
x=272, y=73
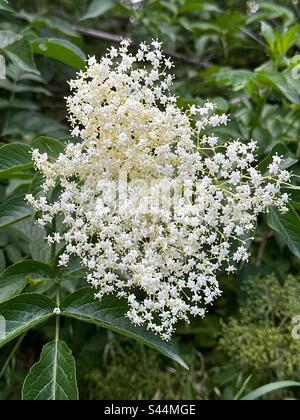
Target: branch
x=109, y=37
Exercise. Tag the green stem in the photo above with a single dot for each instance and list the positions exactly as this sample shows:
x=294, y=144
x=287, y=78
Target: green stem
x=52, y=263
x=259, y=113
x=57, y=324
x=55, y=364
x=225, y=47
x=53, y=246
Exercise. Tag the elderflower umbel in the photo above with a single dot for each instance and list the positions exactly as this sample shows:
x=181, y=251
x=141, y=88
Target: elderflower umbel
x=152, y=205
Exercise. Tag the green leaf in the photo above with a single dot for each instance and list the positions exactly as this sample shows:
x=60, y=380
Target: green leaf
x=266, y=389
x=275, y=10
x=14, y=87
x=22, y=313
x=269, y=35
x=110, y=313
x=36, y=186
x=7, y=38
x=13, y=210
x=18, y=104
x=21, y=54
x=280, y=82
x=14, y=279
x=192, y=5
x=238, y=79
x=38, y=248
x=54, y=376
x=73, y=271
x=98, y=8
x=4, y=5
x=242, y=389
x=281, y=150
x=289, y=38
x=14, y=157
x=55, y=24
x=52, y=147
x=288, y=226
x=61, y=50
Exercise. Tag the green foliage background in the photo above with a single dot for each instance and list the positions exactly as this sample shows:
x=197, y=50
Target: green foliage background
x=244, y=58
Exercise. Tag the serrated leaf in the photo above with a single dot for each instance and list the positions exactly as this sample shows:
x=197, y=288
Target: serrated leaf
x=98, y=8
x=22, y=313
x=288, y=227
x=13, y=210
x=14, y=157
x=61, y=50
x=14, y=279
x=54, y=376
x=52, y=147
x=110, y=313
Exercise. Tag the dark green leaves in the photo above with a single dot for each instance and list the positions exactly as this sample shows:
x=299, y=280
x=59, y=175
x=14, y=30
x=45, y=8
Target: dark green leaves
x=288, y=227
x=280, y=82
x=110, y=313
x=11, y=284
x=14, y=279
x=98, y=8
x=54, y=376
x=13, y=210
x=24, y=312
x=61, y=50
x=21, y=54
x=54, y=23
x=279, y=43
x=25, y=273
x=14, y=158
x=4, y=5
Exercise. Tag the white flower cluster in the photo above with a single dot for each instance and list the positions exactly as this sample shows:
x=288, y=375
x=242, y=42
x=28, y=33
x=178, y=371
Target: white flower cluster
x=185, y=204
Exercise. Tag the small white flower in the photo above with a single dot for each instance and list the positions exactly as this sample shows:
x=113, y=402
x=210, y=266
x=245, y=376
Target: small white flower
x=56, y=311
